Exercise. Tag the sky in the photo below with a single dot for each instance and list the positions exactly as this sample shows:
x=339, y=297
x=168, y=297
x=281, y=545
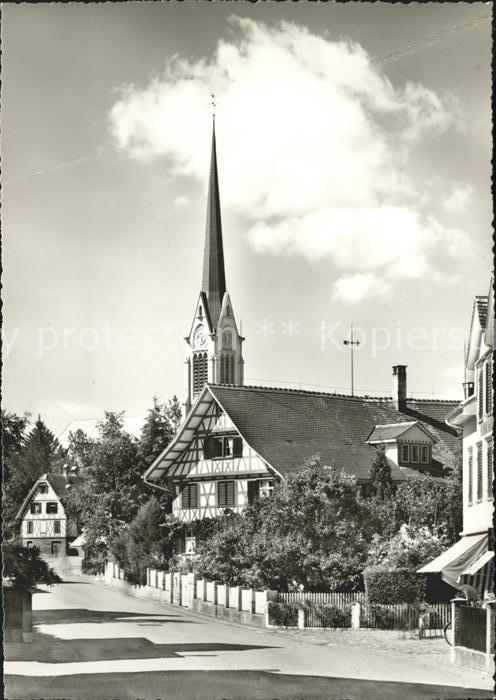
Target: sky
x=354, y=146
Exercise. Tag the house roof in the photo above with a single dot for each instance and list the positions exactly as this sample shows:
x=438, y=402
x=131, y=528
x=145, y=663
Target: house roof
x=132, y=425
x=59, y=484
x=286, y=427
x=385, y=433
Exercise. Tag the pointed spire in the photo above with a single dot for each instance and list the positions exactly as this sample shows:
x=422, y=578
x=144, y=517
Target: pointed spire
x=214, y=277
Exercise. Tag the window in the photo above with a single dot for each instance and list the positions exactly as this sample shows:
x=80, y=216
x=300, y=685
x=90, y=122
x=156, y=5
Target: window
x=490, y=473
x=489, y=387
x=29, y=544
x=35, y=508
x=56, y=548
x=479, y=472
x=405, y=453
x=56, y=527
x=470, y=464
x=266, y=489
x=415, y=453
x=200, y=371
x=189, y=543
x=227, y=368
x=51, y=507
x=226, y=494
x=222, y=447
x=43, y=488
x=425, y=454
x=253, y=491
x=29, y=527
x=189, y=496
x=480, y=393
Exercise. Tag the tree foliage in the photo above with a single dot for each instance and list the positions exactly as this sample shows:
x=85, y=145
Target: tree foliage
x=23, y=567
x=27, y=458
x=381, y=480
x=310, y=533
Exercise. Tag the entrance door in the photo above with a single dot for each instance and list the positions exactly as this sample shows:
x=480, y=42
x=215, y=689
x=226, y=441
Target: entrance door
x=56, y=549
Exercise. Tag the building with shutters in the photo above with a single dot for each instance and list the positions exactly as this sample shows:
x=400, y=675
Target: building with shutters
x=236, y=441
x=471, y=559
x=42, y=520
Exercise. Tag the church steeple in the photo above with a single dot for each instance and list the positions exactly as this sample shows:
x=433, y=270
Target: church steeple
x=214, y=276
x=213, y=347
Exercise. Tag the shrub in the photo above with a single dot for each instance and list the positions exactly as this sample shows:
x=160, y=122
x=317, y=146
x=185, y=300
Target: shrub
x=283, y=614
x=392, y=587
x=23, y=567
x=330, y=616
x=92, y=566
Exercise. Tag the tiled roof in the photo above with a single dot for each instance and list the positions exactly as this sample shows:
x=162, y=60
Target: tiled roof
x=389, y=432
x=287, y=426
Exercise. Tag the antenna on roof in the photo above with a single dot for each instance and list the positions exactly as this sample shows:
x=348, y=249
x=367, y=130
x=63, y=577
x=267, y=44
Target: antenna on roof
x=351, y=343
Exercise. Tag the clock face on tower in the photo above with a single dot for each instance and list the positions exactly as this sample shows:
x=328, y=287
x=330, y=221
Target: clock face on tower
x=199, y=338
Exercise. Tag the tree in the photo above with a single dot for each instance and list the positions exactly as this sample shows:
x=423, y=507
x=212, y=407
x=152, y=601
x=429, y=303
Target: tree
x=23, y=567
x=145, y=543
x=410, y=548
x=35, y=455
x=13, y=439
x=112, y=490
x=381, y=479
x=311, y=532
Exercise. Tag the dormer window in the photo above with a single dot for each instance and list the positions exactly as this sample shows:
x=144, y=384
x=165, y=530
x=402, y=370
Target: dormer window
x=425, y=456
x=405, y=453
x=414, y=451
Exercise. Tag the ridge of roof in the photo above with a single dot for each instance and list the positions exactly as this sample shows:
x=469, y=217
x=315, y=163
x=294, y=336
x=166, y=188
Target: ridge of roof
x=285, y=390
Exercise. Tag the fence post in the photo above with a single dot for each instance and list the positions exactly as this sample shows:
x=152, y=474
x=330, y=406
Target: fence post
x=301, y=618
x=489, y=637
x=253, y=603
x=356, y=614
x=455, y=624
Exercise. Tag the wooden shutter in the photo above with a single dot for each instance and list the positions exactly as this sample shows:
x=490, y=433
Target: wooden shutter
x=489, y=387
x=193, y=495
x=230, y=494
x=470, y=475
x=490, y=473
x=480, y=393
x=479, y=472
x=221, y=494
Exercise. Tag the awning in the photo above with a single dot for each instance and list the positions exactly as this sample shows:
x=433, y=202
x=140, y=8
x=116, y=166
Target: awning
x=452, y=563
x=480, y=575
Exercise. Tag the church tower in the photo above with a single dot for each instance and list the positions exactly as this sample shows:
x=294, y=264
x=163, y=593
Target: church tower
x=213, y=346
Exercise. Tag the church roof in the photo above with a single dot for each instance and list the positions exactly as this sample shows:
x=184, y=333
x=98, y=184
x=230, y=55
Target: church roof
x=287, y=426
x=214, y=277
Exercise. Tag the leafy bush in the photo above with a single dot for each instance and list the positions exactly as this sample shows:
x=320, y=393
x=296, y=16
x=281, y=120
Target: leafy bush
x=92, y=566
x=391, y=587
x=23, y=567
x=330, y=616
x=283, y=614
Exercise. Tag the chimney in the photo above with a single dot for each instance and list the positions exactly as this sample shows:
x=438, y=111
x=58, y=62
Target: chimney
x=399, y=386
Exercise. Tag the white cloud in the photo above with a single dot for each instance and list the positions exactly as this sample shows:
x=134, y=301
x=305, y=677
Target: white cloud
x=313, y=141
x=353, y=288
x=181, y=201
x=459, y=198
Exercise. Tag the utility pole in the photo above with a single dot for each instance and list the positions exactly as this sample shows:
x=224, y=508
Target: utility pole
x=351, y=343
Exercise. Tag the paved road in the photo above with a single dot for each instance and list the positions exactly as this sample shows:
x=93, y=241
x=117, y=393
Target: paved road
x=92, y=642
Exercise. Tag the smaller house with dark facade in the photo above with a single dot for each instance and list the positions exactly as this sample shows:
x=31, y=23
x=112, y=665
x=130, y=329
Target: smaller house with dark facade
x=42, y=519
